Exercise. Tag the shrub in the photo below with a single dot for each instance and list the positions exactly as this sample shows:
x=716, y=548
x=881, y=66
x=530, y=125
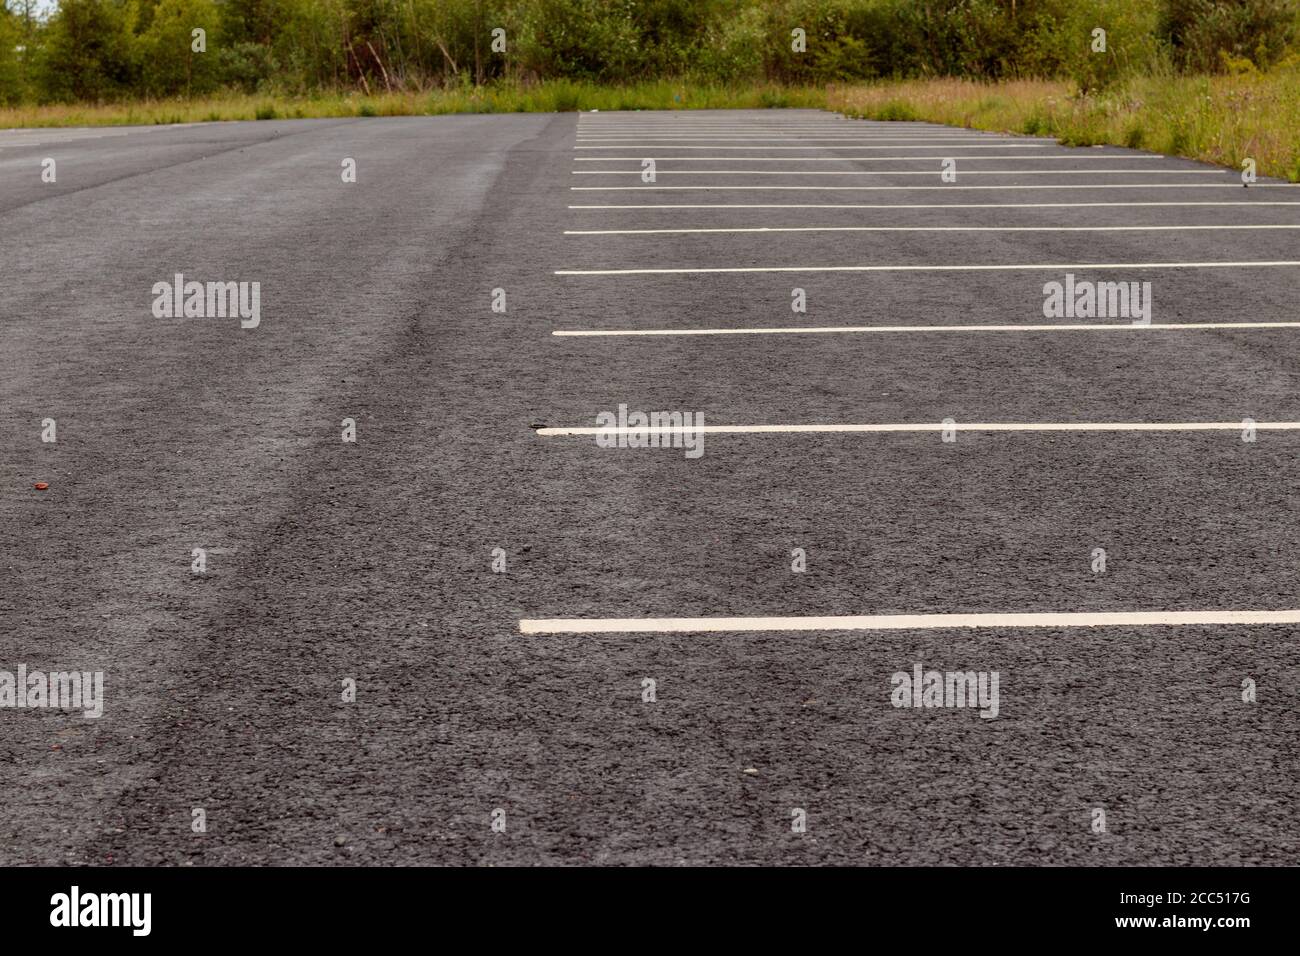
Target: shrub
x=1205, y=35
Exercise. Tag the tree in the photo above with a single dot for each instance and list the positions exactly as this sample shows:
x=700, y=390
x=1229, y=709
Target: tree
x=169, y=62
x=88, y=53
x=11, y=57
x=1203, y=33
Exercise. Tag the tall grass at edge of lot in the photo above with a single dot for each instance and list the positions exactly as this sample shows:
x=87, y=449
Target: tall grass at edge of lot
x=1217, y=119
x=555, y=96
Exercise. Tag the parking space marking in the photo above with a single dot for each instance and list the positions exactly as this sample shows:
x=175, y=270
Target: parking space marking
x=855, y=159
x=979, y=267
x=827, y=149
x=853, y=329
x=744, y=229
x=937, y=205
x=912, y=427
x=902, y=172
x=945, y=187
x=905, y=622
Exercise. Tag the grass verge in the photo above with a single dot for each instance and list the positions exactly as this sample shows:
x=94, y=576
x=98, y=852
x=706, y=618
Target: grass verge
x=1216, y=119
x=557, y=96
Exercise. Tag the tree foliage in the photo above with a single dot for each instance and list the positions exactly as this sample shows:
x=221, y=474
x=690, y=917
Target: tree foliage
x=106, y=49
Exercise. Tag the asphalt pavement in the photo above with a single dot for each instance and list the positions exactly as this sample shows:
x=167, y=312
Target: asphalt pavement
x=474, y=635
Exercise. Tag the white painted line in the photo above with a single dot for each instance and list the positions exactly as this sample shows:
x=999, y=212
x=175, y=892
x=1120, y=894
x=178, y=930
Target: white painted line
x=1022, y=267
x=784, y=121
x=880, y=427
x=808, y=330
x=758, y=132
x=808, y=122
x=710, y=123
x=787, y=133
x=587, y=129
x=803, y=132
x=904, y=622
x=766, y=149
x=904, y=172
x=936, y=205
x=856, y=159
x=838, y=137
x=817, y=142
x=946, y=187
x=654, y=232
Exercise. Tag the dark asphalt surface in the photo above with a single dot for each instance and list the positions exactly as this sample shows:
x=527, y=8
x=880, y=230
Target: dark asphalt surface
x=372, y=561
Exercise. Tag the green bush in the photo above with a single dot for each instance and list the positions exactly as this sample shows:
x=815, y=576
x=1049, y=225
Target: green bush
x=580, y=39
x=244, y=65
x=1204, y=34
x=841, y=39
x=88, y=51
x=168, y=61
x=1129, y=39
x=733, y=48
x=897, y=111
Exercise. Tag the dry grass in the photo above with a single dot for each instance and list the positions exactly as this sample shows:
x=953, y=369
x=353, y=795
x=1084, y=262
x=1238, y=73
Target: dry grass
x=1219, y=119
x=556, y=96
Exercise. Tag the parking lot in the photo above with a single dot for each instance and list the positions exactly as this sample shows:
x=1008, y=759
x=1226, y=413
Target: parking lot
x=637, y=655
